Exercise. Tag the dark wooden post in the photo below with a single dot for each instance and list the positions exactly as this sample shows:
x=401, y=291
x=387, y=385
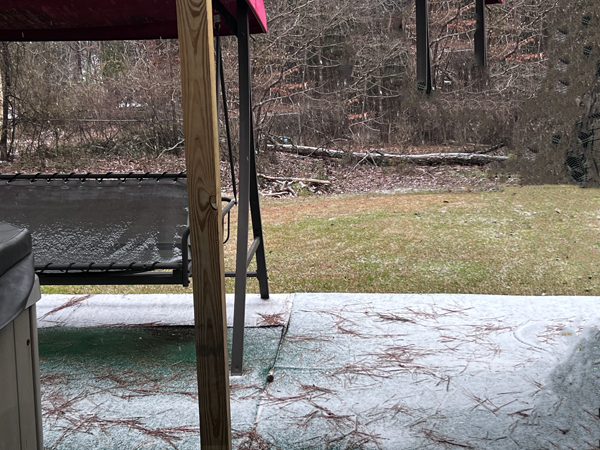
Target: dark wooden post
x=195, y=28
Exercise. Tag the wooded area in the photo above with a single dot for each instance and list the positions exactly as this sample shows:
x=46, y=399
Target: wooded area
x=326, y=75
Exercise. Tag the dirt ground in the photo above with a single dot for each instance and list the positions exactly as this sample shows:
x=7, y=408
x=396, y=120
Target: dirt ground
x=343, y=176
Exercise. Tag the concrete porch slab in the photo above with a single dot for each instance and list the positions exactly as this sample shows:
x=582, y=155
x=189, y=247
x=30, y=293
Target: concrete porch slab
x=351, y=371
x=151, y=309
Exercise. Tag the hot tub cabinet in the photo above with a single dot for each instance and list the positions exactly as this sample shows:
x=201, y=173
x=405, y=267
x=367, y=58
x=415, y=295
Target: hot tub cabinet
x=20, y=405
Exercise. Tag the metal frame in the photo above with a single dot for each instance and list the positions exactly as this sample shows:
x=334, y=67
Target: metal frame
x=248, y=202
x=136, y=273
x=423, y=56
x=479, y=38
x=89, y=175
x=248, y=206
x=116, y=272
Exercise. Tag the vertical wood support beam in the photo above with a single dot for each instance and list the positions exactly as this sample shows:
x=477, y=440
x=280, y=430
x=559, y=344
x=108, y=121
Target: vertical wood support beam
x=10, y=436
x=195, y=28
x=37, y=390
x=423, y=57
x=479, y=38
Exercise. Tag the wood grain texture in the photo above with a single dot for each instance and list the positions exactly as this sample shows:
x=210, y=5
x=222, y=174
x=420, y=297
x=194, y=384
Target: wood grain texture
x=35, y=360
x=25, y=392
x=194, y=22
x=10, y=436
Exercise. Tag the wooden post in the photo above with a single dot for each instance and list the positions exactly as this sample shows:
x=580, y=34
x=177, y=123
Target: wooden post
x=195, y=28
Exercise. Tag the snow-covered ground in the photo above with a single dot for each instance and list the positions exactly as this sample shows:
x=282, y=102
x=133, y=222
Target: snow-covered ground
x=428, y=371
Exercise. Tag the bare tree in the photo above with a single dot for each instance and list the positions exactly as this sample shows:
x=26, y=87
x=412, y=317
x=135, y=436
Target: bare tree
x=327, y=73
x=5, y=86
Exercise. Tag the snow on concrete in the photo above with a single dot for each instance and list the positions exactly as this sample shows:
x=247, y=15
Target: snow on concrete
x=436, y=371
x=156, y=309
x=136, y=387
x=357, y=371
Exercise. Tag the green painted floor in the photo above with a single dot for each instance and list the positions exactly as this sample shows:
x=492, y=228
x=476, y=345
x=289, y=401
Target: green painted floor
x=135, y=387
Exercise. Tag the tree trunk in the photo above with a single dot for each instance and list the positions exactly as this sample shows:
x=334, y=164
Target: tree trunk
x=78, y=63
x=5, y=83
x=384, y=136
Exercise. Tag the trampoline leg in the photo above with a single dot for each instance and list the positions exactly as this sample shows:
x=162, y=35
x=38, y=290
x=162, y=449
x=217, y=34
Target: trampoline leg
x=261, y=263
x=239, y=312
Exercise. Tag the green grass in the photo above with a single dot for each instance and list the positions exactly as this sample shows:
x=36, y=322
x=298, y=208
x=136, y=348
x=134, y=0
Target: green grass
x=529, y=240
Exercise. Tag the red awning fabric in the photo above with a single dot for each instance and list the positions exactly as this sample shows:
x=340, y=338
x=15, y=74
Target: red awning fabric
x=79, y=20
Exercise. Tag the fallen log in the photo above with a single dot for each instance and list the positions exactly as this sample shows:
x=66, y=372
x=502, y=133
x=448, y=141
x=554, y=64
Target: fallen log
x=476, y=159
x=490, y=149
x=275, y=194
x=297, y=180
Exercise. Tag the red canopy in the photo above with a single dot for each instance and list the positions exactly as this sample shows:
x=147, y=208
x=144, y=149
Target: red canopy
x=78, y=20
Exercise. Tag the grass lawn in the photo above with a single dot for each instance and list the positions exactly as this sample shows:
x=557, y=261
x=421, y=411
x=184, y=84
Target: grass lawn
x=524, y=240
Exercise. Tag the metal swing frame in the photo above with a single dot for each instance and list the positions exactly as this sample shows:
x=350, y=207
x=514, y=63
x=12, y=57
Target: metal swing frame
x=246, y=197
x=423, y=55
x=248, y=203
x=117, y=273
